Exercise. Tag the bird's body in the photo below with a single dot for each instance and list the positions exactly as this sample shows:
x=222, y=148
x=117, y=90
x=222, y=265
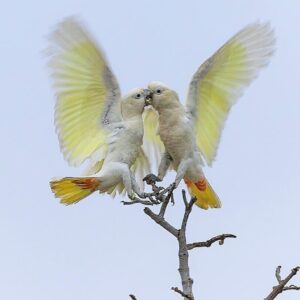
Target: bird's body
x=182, y=153
x=111, y=167
x=93, y=121
x=120, y=156
x=191, y=134
x=129, y=132
x=180, y=141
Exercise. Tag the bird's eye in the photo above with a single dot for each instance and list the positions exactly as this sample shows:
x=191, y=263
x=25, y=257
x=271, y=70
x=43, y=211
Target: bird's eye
x=158, y=91
x=138, y=96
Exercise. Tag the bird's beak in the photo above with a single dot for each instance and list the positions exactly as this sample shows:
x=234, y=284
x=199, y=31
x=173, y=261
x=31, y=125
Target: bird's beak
x=148, y=97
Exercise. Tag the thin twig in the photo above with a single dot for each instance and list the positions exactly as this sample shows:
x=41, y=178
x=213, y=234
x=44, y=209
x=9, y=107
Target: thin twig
x=277, y=274
x=220, y=238
x=172, y=199
x=278, y=289
x=166, y=202
x=291, y=287
x=188, y=210
x=184, y=198
x=138, y=201
x=161, y=221
x=180, y=292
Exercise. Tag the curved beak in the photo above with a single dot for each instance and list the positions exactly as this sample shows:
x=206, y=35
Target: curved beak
x=148, y=97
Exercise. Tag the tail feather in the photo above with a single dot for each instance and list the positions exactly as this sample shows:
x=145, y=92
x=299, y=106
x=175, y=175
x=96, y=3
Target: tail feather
x=71, y=190
x=206, y=196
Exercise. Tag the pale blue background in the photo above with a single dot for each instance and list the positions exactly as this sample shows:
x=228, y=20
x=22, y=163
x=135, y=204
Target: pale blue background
x=99, y=249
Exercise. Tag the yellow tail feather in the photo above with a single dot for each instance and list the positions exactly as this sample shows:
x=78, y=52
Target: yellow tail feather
x=202, y=190
x=71, y=190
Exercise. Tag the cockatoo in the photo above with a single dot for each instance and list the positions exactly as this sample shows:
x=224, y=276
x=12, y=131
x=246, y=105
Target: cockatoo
x=92, y=121
x=192, y=132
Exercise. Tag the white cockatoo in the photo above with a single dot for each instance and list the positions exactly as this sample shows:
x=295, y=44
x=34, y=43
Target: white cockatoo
x=192, y=132
x=92, y=120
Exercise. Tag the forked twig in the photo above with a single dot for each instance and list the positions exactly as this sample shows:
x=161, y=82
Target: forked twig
x=164, y=196
x=180, y=235
x=281, y=287
x=180, y=292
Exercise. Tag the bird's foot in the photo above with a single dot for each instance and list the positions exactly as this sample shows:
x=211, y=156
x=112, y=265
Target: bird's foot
x=145, y=195
x=136, y=200
x=161, y=194
x=169, y=189
x=151, y=179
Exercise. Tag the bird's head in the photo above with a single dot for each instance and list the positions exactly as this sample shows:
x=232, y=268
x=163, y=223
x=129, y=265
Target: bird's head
x=133, y=103
x=161, y=96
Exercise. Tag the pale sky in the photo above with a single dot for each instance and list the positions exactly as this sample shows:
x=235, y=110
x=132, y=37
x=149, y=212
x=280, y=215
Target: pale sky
x=99, y=249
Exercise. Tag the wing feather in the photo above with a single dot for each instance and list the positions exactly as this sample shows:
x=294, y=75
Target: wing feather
x=88, y=95
x=153, y=145
x=221, y=80
x=141, y=168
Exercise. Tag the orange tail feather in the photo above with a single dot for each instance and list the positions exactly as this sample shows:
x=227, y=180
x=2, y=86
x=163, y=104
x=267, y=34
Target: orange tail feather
x=202, y=190
x=71, y=190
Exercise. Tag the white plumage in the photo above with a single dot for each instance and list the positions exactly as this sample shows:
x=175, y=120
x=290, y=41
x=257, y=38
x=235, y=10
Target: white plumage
x=192, y=132
x=92, y=120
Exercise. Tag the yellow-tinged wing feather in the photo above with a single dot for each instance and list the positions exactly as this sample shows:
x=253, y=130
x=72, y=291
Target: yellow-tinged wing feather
x=220, y=81
x=87, y=92
x=153, y=145
x=141, y=168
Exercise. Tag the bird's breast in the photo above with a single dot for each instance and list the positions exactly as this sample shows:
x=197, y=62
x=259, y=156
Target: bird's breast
x=177, y=139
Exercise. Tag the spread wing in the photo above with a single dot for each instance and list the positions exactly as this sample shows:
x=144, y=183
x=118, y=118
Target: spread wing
x=88, y=95
x=221, y=80
x=153, y=145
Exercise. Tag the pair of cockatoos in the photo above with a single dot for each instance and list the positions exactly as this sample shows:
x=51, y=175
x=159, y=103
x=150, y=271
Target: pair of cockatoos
x=94, y=122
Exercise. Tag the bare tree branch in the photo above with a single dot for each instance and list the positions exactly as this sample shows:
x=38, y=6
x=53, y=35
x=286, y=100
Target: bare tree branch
x=159, y=218
x=138, y=201
x=188, y=210
x=277, y=274
x=163, y=196
x=166, y=201
x=291, y=287
x=184, y=198
x=278, y=289
x=220, y=238
x=184, y=270
x=180, y=292
x=161, y=221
